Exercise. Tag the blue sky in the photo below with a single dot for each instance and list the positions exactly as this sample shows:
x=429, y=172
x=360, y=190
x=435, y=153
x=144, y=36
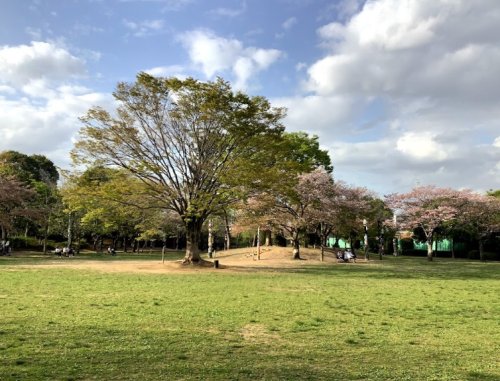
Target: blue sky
x=401, y=92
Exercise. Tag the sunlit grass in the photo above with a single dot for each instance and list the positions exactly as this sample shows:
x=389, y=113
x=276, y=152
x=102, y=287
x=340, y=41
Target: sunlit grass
x=398, y=319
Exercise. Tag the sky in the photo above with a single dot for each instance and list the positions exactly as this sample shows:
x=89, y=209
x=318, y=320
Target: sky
x=402, y=93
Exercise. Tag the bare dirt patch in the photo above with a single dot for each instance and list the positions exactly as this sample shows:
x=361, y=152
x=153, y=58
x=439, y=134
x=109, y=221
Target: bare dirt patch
x=236, y=260
x=258, y=333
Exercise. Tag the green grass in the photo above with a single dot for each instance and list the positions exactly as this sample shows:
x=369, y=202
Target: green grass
x=398, y=319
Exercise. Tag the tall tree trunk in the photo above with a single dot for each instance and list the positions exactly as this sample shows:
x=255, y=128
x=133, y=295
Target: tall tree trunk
x=45, y=235
x=481, y=249
x=429, y=248
x=193, y=235
x=164, y=247
x=323, y=244
x=351, y=243
x=258, y=243
x=124, y=243
x=453, y=248
x=70, y=229
x=268, y=240
x=4, y=239
x=296, y=246
x=210, y=240
x=227, y=232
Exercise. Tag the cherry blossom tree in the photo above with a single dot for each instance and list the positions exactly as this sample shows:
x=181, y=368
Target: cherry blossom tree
x=314, y=203
x=340, y=209
x=288, y=208
x=426, y=207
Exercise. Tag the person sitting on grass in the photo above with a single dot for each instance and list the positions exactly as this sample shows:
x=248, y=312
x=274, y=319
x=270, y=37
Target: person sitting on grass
x=340, y=255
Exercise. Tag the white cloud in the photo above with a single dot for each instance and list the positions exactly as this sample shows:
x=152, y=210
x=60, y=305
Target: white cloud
x=213, y=55
x=229, y=12
x=41, y=105
x=7, y=89
x=20, y=65
x=347, y=8
x=167, y=71
x=332, y=31
x=145, y=27
x=421, y=146
x=168, y=5
x=416, y=85
x=326, y=116
x=48, y=128
x=395, y=24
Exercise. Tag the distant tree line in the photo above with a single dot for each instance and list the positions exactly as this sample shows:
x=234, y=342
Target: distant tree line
x=180, y=162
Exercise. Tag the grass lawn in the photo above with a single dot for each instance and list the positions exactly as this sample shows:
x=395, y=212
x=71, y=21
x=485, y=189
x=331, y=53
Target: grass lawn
x=397, y=319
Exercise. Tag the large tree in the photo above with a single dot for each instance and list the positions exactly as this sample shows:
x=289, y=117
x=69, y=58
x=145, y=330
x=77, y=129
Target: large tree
x=293, y=209
x=39, y=173
x=427, y=208
x=187, y=141
x=341, y=210
x=28, y=169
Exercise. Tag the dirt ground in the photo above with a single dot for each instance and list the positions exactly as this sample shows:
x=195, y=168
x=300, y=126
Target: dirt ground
x=236, y=260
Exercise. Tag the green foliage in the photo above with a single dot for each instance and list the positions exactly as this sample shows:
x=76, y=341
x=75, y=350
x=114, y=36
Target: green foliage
x=190, y=143
x=494, y=193
x=335, y=322
x=28, y=169
x=302, y=149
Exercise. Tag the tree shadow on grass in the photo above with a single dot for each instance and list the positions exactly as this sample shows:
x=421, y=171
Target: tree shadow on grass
x=480, y=376
x=395, y=268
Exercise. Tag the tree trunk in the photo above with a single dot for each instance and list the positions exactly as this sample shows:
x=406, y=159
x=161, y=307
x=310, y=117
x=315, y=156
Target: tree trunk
x=227, y=232
x=45, y=235
x=351, y=243
x=453, y=248
x=164, y=248
x=429, y=249
x=4, y=239
x=481, y=249
x=366, y=246
x=210, y=239
x=296, y=247
x=193, y=235
x=258, y=243
x=268, y=241
x=124, y=243
x=70, y=229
